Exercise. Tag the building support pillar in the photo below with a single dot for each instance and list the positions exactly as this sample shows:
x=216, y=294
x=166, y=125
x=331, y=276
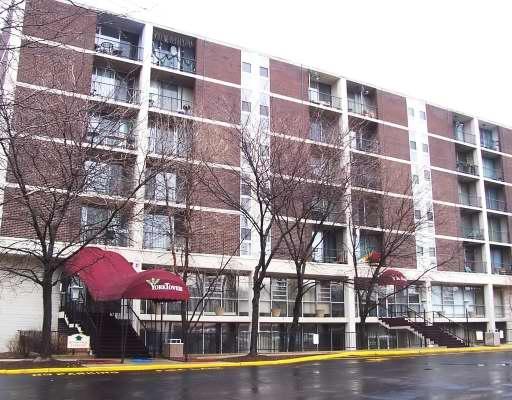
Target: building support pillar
x=350, y=314
x=489, y=307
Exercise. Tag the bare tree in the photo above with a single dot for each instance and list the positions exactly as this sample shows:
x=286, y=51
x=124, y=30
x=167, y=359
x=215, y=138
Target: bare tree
x=73, y=166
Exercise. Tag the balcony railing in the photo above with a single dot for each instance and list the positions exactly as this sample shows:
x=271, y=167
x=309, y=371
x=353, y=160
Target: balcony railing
x=165, y=59
x=459, y=310
x=325, y=99
x=465, y=137
x=473, y=266
x=501, y=268
x=108, y=91
x=112, y=139
x=495, y=204
x=117, y=236
x=467, y=168
x=330, y=255
x=496, y=235
x=499, y=311
x=179, y=105
x=491, y=144
x=361, y=108
x=366, y=145
x=116, y=48
x=470, y=200
x=472, y=233
x=493, y=173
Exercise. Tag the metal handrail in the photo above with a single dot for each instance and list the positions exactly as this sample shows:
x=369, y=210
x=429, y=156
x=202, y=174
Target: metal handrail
x=366, y=145
x=465, y=137
x=450, y=321
x=327, y=99
x=177, y=62
x=492, y=144
x=493, y=173
x=470, y=200
x=358, y=107
x=109, y=91
x=466, y=168
x=118, y=48
x=495, y=204
x=170, y=103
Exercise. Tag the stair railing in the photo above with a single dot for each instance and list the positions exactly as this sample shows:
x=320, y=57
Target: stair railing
x=466, y=341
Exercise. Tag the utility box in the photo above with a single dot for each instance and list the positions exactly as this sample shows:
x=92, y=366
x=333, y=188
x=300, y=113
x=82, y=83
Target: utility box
x=492, y=338
x=173, y=349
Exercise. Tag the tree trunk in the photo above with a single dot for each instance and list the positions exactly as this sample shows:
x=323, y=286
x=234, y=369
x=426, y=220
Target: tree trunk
x=297, y=308
x=46, y=331
x=184, y=329
x=363, y=339
x=253, y=348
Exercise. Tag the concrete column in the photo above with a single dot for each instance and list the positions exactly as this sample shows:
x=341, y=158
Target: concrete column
x=508, y=332
x=251, y=296
x=427, y=304
x=142, y=134
x=350, y=315
x=489, y=307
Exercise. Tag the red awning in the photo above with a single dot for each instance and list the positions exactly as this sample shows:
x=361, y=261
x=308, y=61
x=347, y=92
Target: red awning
x=109, y=276
x=390, y=277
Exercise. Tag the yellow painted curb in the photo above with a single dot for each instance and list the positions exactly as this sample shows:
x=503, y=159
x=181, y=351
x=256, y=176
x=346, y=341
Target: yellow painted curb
x=227, y=364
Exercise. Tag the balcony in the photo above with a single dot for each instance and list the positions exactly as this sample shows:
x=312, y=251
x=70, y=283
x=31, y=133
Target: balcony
x=325, y=99
x=330, y=255
x=474, y=266
x=113, y=47
x=470, y=200
x=115, y=92
x=465, y=137
x=173, y=60
x=173, y=104
x=467, y=168
x=493, y=173
x=366, y=145
x=495, y=204
x=110, y=133
x=491, y=144
x=501, y=268
x=496, y=235
x=472, y=233
x=362, y=108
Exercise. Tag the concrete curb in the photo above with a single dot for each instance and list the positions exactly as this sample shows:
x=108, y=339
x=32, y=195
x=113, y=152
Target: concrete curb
x=226, y=364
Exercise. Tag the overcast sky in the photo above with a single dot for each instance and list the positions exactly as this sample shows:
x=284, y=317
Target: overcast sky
x=453, y=53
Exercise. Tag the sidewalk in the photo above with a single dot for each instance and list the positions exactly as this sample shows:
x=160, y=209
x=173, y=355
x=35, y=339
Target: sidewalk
x=280, y=359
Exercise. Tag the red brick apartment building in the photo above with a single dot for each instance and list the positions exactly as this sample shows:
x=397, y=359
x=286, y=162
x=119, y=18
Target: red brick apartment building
x=460, y=166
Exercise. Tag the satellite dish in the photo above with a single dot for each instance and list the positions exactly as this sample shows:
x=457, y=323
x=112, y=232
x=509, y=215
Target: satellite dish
x=174, y=51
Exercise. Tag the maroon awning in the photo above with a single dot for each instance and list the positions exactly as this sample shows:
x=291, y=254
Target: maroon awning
x=109, y=276
x=390, y=277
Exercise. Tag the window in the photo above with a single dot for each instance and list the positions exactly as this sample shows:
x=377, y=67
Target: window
x=246, y=106
x=410, y=110
x=417, y=214
x=415, y=179
x=103, y=178
x=425, y=148
x=413, y=144
x=426, y=174
x=246, y=67
x=264, y=110
x=419, y=250
x=163, y=186
x=423, y=115
x=430, y=215
x=95, y=219
x=432, y=251
x=264, y=72
x=157, y=231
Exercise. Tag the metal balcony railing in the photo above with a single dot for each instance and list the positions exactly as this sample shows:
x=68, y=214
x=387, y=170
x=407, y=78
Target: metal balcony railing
x=170, y=103
x=472, y=233
x=493, y=173
x=117, y=48
x=325, y=99
x=496, y=235
x=491, y=144
x=501, y=268
x=358, y=107
x=470, y=200
x=173, y=61
x=330, y=255
x=467, y=168
x=366, y=145
x=499, y=311
x=108, y=91
x=465, y=137
x=112, y=139
x=496, y=204
x=473, y=266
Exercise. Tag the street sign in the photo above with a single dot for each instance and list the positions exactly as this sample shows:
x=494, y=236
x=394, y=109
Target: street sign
x=79, y=341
